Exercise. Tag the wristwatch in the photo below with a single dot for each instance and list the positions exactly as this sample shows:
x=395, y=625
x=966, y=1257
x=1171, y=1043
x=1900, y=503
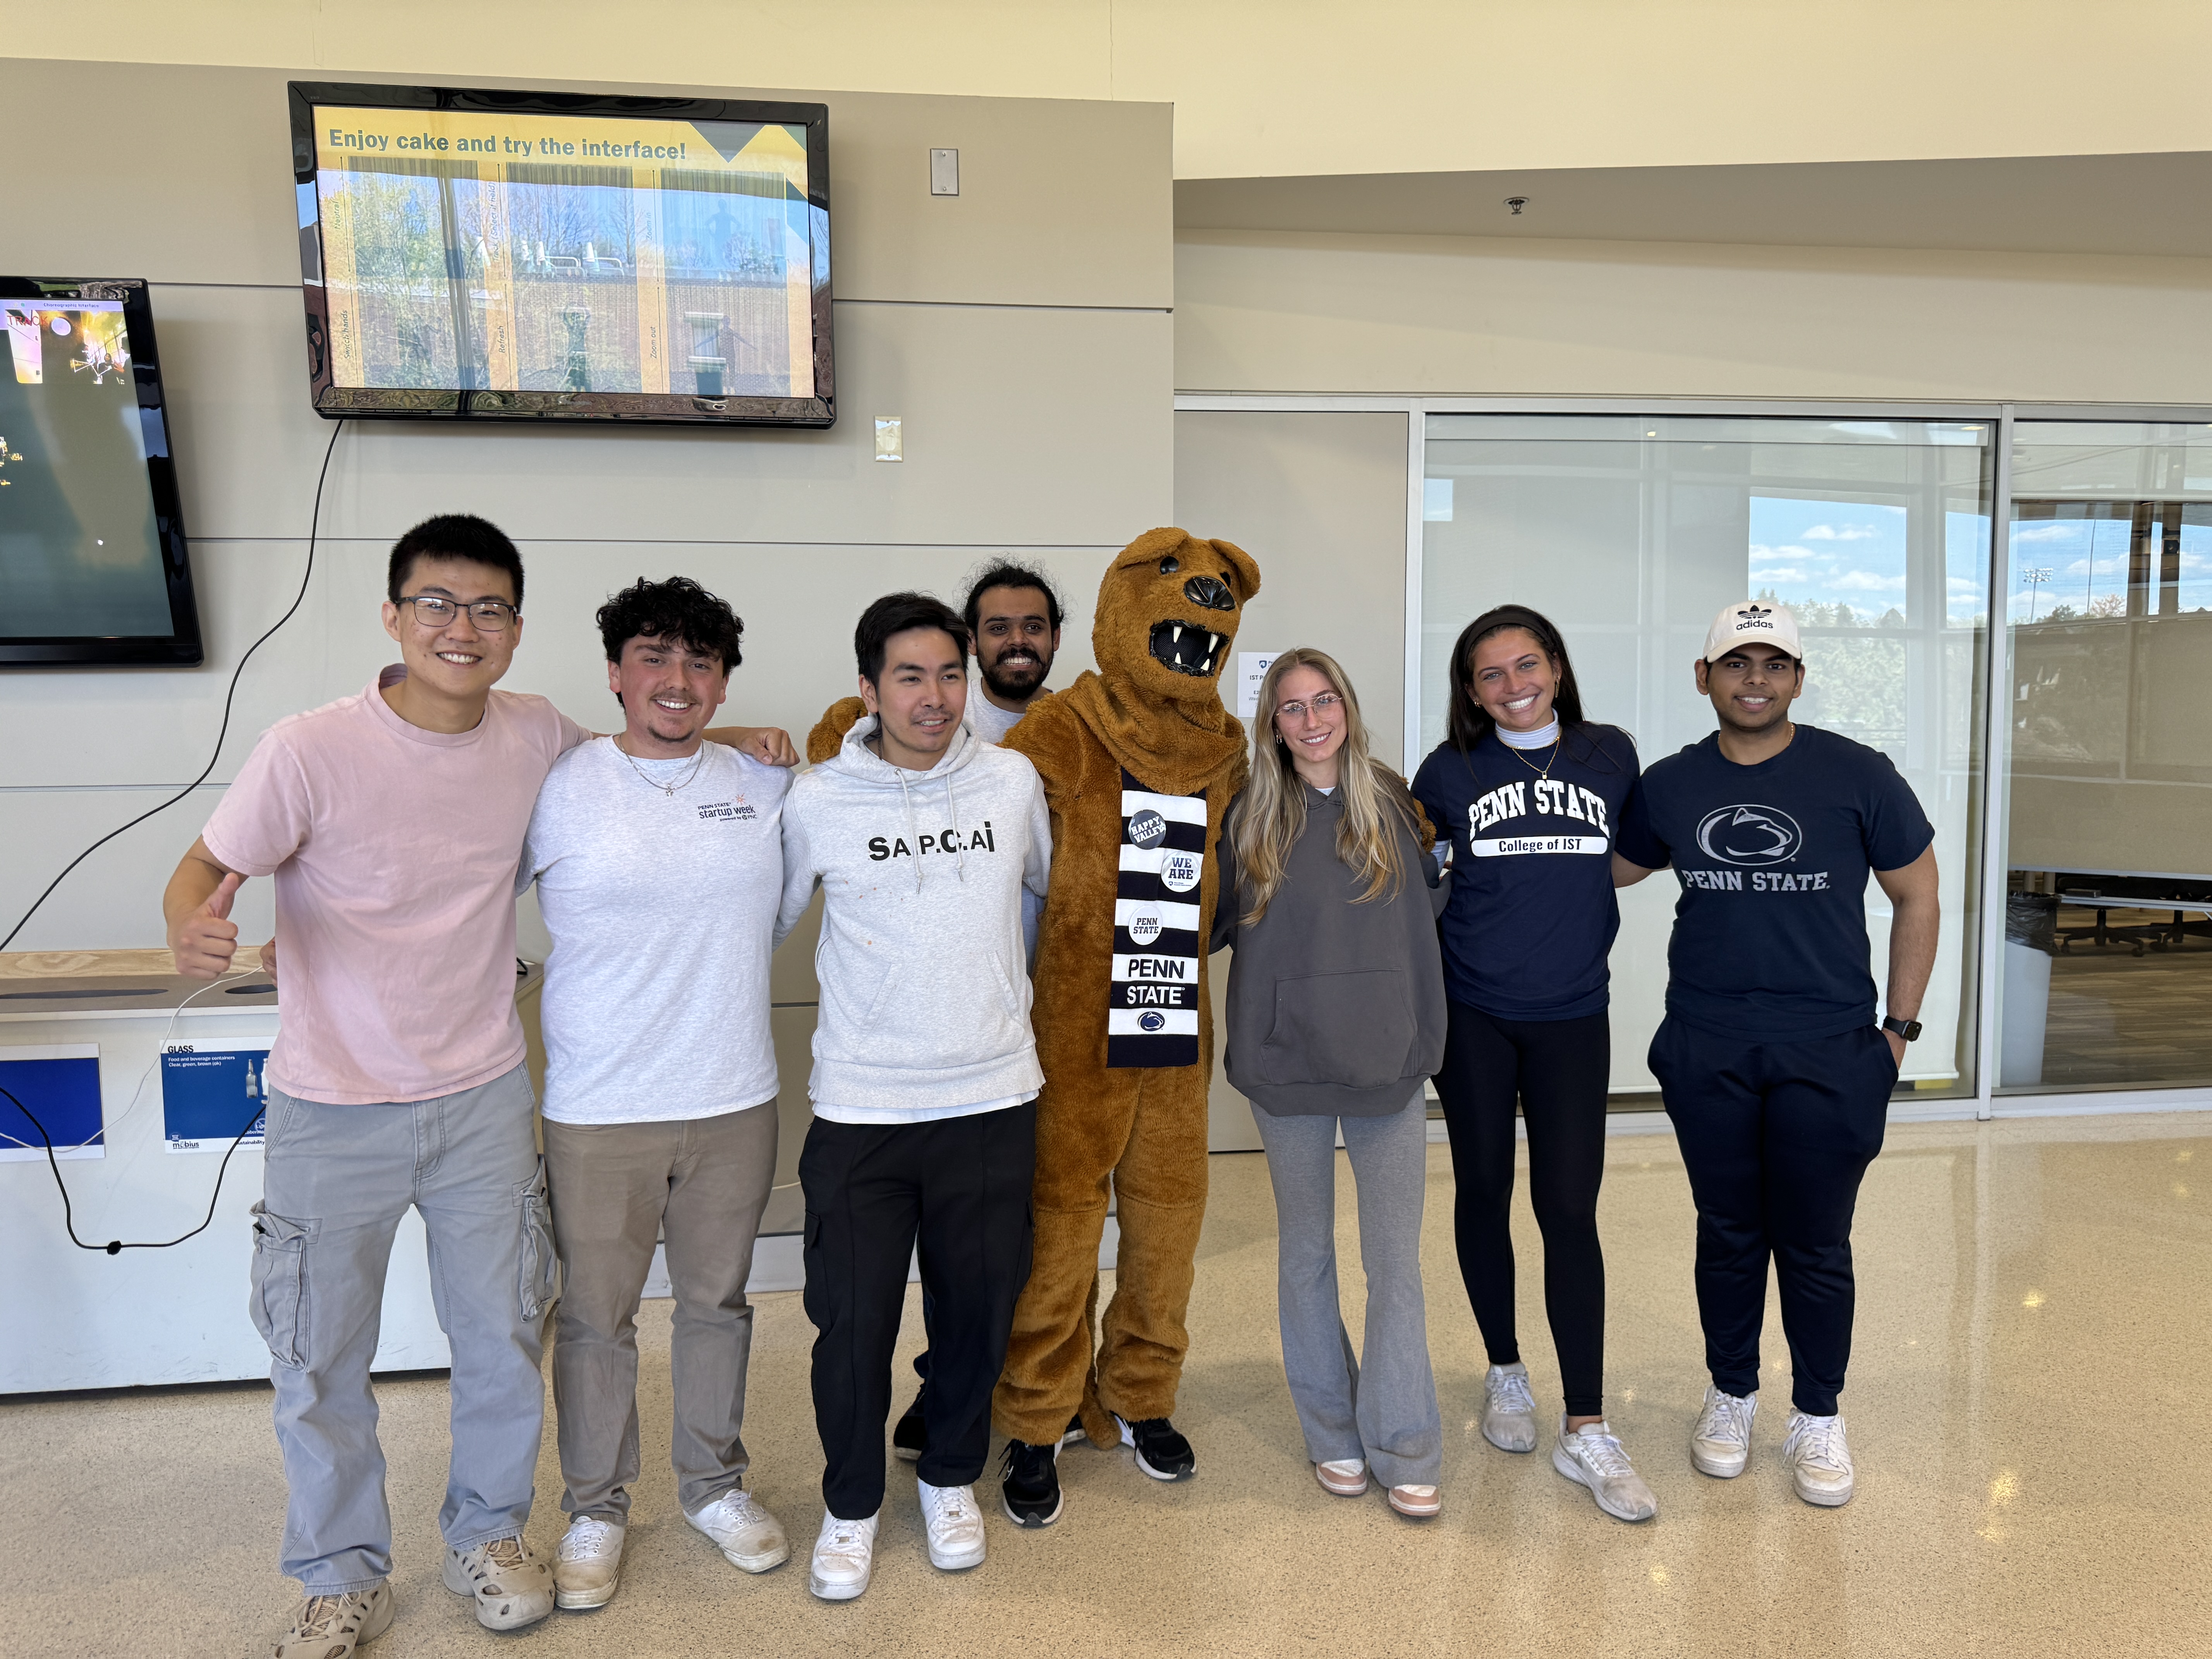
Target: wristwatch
x=1907, y=1029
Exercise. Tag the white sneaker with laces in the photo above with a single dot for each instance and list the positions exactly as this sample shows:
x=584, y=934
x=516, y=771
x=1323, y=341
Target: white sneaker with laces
x=749, y=1536
x=587, y=1567
x=844, y=1553
x=1508, y=1410
x=955, y=1524
x=1720, y=1444
x=1591, y=1456
x=1819, y=1461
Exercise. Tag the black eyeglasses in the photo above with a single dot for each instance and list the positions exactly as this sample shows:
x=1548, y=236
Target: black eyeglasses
x=492, y=616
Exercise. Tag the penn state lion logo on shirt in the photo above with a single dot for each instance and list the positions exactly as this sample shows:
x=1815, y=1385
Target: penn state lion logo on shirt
x=1750, y=835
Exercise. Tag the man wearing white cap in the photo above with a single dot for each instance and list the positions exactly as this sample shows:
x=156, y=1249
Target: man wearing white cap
x=1769, y=1062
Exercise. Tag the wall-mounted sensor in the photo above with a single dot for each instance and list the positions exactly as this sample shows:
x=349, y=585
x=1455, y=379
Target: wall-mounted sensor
x=944, y=173
x=891, y=444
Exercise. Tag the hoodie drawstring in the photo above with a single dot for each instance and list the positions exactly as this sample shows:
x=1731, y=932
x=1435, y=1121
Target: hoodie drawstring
x=912, y=829
x=959, y=840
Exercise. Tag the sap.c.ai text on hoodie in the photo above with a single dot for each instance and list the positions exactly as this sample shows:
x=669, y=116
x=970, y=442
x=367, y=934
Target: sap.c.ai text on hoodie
x=925, y=1007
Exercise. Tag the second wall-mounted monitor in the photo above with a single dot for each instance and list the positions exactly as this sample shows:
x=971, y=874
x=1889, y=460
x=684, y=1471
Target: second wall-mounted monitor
x=477, y=255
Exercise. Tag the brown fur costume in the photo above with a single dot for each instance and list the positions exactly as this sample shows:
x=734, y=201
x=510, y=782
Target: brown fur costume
x=1142, y=1129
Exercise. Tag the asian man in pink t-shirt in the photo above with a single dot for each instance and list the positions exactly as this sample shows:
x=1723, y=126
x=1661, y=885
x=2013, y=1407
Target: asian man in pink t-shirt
x=392, y=821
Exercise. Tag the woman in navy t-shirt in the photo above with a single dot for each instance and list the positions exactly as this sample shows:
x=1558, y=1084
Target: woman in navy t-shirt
x=1531, y=794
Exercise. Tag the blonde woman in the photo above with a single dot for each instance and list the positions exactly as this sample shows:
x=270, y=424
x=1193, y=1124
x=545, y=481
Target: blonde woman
x=1336, y=1018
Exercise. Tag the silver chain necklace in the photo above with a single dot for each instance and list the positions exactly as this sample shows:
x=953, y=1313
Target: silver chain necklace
x=698, y=760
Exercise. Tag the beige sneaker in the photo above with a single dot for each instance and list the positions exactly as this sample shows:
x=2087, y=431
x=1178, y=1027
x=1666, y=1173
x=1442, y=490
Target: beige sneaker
x=1509, y=1409
x=508, y=1580
x=587, y=1567
x=332, y=1626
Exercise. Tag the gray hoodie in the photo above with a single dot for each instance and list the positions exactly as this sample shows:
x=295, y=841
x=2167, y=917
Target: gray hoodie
x=925, y=1002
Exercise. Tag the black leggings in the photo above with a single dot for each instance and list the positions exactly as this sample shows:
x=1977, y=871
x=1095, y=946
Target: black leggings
x=1557, y=1070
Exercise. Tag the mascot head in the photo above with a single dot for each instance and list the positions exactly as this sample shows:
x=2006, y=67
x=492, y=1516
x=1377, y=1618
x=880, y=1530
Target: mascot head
x=1167, y=612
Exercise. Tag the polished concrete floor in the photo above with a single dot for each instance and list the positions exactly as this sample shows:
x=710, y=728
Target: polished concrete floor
x=2027, y=1406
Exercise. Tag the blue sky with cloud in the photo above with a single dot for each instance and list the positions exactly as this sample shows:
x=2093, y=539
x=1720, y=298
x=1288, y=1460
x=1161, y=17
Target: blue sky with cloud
x=1854, y=553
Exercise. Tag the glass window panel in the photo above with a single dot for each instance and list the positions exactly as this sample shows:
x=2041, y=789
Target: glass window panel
x=2107, y=972
x=1632, y=532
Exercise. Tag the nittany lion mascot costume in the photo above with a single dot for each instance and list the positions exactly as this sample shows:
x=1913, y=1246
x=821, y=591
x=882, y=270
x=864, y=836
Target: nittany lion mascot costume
x=1139, y=761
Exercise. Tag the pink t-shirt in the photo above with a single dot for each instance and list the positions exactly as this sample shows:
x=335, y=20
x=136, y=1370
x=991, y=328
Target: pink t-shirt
x=394, y=851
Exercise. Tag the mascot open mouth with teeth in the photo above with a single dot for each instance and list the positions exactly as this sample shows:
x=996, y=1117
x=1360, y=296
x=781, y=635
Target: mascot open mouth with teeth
x=1140, y=759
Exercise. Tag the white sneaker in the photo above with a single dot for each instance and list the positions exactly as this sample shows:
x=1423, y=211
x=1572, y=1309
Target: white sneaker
x=1508, y=1410
x=1819, y=1462
x=1720, y=1444
x=955, y=1524
x=1591, y=1456
x=587, y=1567
x=844, y=1552
x=750, y=1537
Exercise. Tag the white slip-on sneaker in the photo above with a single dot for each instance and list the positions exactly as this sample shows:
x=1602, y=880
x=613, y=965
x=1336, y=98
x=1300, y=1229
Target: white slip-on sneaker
x=1508, y=1410
x=508, y=1580
x=749, y=1536
x=1819, y=1461
x=1345, y=1476
x=331, y=1627
x=955, y=1526
x=1720, y=1444
x=587, y=1567
x=844, y=1553
x=1591, y=1456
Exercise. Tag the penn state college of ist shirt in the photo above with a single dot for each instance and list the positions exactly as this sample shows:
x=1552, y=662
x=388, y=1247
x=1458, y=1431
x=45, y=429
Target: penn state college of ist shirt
x=1532, y=914
x=1769, y=938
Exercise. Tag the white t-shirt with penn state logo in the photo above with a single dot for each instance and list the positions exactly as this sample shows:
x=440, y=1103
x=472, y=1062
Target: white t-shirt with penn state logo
x=659, y=885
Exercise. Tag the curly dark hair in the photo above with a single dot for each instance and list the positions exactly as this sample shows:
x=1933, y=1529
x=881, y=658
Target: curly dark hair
x=678, y=610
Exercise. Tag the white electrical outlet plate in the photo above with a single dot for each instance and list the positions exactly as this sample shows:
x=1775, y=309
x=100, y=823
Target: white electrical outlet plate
x=944, y=173
x=890, y=439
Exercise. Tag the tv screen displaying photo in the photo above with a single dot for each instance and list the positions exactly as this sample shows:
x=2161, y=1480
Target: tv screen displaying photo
x=92, y=564
x=520, y=255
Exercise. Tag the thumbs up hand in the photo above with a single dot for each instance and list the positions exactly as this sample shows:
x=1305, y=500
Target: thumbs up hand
x=204, y=939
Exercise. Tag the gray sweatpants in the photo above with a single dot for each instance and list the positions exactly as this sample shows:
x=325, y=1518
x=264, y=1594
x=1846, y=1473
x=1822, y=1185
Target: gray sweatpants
x=1378, y=1406
x=616, y=1187
x=335, y=1182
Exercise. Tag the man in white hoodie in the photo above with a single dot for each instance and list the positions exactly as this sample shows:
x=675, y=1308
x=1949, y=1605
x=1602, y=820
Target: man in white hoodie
x=922, y=837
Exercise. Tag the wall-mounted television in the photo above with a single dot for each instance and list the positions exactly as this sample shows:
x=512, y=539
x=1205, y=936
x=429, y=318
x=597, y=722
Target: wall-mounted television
x=486, y=255
x=93, y=567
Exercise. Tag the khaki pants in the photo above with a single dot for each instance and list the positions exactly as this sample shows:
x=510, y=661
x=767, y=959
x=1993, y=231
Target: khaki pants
x=615, y=1187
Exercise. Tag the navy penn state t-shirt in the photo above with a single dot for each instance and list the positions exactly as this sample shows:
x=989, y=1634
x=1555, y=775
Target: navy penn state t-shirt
x=1769, y=938
x=1531, y=913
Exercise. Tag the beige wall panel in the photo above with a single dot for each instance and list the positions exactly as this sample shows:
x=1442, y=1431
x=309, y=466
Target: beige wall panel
x=1320, y=501
x=1477, y=317
x=1292, y=87
x=2104, y=825
x=1060, y=203
x=1021, y=424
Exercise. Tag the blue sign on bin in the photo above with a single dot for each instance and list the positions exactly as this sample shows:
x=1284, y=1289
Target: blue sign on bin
x=208, y=1095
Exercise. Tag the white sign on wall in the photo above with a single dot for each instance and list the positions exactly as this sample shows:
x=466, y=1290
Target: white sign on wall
x=1251, y=669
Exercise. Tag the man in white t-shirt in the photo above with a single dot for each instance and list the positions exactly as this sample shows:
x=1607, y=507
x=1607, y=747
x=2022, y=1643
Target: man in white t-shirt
x=659, y=863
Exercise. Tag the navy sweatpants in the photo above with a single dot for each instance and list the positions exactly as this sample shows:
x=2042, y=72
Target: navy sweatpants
x=1776, y=1137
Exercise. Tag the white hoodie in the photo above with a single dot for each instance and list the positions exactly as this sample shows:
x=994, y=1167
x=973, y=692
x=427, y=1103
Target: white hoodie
x=925, y=1007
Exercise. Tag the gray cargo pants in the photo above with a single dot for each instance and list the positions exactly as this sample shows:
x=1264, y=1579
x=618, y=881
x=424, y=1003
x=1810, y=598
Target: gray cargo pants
x=335, y=1182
